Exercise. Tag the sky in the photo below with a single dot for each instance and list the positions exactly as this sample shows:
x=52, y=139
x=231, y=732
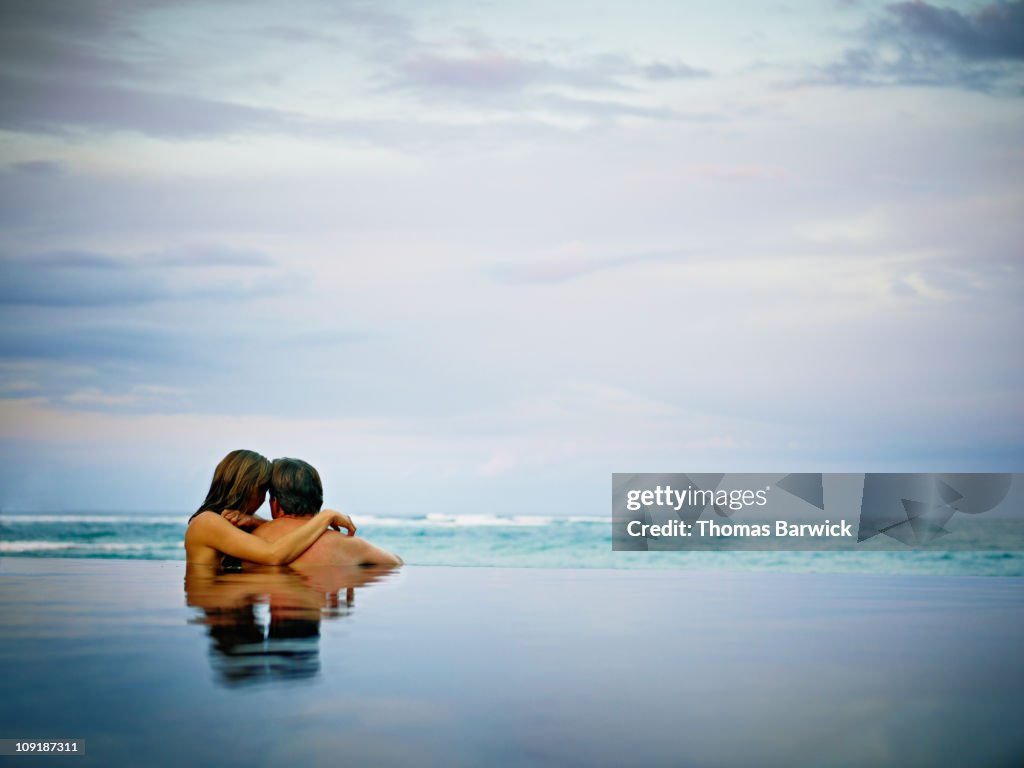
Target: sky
x=472, y=258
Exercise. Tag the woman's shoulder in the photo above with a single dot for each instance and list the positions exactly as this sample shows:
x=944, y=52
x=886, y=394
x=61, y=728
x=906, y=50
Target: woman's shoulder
x=204, y=517
x=201, y=537
x=205, y=528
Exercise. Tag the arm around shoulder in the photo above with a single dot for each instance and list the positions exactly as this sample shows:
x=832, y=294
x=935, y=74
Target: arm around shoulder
x=216, y=532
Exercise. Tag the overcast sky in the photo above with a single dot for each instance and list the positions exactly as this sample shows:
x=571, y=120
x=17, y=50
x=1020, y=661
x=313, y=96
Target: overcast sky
x=475, y=257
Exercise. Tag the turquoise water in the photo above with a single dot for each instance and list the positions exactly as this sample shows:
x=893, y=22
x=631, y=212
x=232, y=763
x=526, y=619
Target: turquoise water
x=479, y=540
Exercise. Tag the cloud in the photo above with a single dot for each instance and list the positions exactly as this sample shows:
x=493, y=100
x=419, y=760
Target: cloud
x=498, y=79
x=61, y=106
x=325, y=339
x=74, y=280
x=90, y=345
x=40, y=378
x=493, y=70
x=99, y=67
x=88, y=279
x=73, y=40
x=571, y=262
x=660, y=70
x=88, y=66
x=39, y=168
x=110, y=67
x=139, y=396
x=737, y=173
x=87, y=330
x=489, y=71
x=381, y=26
x=57, y=105
x=994, y=31
x=963, y=252
x=211, y=256
x=605, y=108
x=916, y=43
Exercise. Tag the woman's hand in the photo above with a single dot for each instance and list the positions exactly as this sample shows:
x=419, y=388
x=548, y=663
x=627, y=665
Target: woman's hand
x=242, y=520
x=341, y=520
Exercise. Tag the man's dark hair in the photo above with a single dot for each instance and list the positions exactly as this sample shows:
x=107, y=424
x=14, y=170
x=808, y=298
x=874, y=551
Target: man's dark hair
x=297, y=487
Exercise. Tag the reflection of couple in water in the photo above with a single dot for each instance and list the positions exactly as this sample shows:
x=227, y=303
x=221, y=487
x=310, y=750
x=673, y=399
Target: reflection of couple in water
x=225, y=532
x=264, y=625
x=226, y=529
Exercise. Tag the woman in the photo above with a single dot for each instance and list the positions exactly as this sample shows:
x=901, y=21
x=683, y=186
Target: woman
x=240, y=484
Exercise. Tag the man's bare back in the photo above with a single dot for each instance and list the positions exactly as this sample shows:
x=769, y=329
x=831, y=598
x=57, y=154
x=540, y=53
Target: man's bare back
x=332, y=548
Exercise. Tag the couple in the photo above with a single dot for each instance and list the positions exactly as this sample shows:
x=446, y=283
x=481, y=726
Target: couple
x=225, y=526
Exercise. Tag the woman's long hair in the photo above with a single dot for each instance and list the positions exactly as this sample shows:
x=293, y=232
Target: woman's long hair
x=238, y=476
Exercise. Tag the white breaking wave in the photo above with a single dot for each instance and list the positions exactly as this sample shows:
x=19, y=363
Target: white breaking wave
x=40, y=546
x=34, y=546
x=386, y=522
x=102, y=519
x=439, y=520
x=474, y=521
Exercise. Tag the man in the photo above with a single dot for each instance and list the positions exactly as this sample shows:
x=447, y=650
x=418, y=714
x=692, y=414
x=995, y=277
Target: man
x=296, y=494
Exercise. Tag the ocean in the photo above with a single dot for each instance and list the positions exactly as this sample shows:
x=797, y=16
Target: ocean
x=522, y=541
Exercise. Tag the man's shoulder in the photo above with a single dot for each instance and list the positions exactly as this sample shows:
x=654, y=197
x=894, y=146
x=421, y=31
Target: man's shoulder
x=278, y=527
x=332, y=548
x=274, y=529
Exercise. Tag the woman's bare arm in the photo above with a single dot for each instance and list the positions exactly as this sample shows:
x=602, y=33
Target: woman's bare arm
x=213, y=531
x=241, y=520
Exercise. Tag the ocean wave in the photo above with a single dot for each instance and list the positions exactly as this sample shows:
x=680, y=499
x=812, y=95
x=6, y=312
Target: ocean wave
x=35, y=546
x=476, y=521
x=440, y=520
x=25, y=519
x=49, y=546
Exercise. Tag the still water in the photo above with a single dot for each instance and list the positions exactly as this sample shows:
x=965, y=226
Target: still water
x=509, y=667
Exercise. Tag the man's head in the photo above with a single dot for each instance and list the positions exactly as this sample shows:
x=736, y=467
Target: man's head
x=295, y=489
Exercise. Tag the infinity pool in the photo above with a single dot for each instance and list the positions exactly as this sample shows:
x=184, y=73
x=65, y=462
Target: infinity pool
x=509, y=667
